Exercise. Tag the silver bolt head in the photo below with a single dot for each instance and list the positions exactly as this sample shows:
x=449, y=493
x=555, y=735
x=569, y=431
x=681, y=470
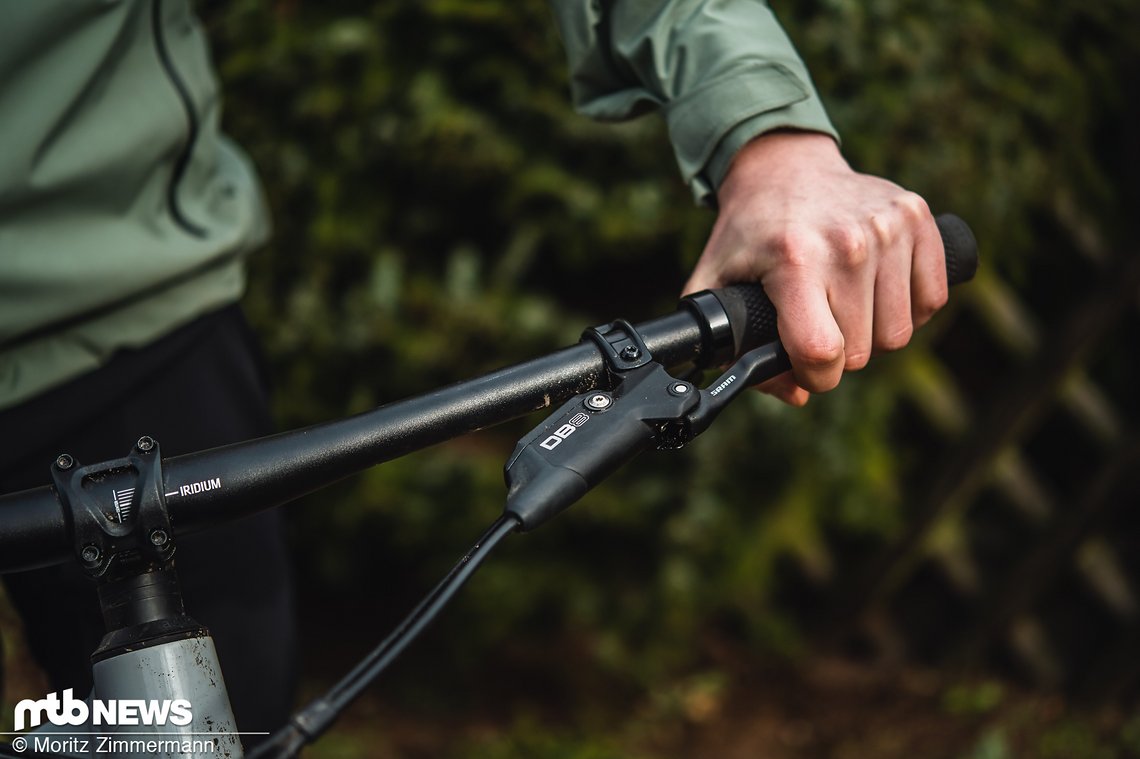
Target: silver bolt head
x=599, y=402
x=90, y=554
x=145, y=443
x=159, y=537
x=680, y=388
x=64, y=461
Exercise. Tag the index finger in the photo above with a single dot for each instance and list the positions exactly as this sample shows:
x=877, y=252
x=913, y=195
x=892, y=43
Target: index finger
x=808, y=330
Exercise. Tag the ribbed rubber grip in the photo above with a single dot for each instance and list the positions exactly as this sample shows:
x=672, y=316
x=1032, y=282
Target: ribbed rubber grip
x=753, y=318
x=961, y=248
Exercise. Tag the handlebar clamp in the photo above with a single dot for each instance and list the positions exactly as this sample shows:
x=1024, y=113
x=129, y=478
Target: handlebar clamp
x=626, y=351
x=117, y=511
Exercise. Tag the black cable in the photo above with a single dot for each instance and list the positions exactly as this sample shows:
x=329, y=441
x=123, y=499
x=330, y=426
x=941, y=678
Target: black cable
x=309, y=723
x=337, y=691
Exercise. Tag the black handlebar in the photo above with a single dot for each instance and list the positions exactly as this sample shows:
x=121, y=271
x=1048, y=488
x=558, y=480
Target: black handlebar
x=225, y=483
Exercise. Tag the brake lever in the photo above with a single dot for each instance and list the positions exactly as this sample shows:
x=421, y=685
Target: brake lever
x=595, y=432
x=756, y=366
x=590, y=436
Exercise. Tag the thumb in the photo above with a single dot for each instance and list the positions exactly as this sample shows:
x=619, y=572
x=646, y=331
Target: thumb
x=715, y=269
x=700, y=279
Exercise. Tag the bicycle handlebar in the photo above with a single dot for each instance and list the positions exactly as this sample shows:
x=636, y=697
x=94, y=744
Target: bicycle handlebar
x=232, y=481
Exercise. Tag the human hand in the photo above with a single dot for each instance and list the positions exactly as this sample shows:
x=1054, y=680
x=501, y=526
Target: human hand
x=853, y=263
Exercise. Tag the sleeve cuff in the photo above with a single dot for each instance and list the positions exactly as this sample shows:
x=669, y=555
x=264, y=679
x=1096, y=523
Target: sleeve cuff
x=708, y=126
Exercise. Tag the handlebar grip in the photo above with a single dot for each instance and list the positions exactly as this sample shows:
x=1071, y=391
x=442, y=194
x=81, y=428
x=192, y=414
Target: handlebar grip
x=961, y=248
x=753, y=317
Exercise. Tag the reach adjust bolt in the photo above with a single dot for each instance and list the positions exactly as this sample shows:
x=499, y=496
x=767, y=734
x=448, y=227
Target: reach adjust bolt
x=159, y=537
x=64, y=461
x=145, y=443
x=90, y=554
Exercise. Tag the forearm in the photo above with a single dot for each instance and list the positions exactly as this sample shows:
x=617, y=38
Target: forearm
x=720, y=71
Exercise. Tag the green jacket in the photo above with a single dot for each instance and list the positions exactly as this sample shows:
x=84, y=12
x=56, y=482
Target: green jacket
x=125, y=212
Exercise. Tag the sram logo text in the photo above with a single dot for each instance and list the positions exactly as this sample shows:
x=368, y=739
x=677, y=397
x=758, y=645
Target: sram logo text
x=565, y=431
x=124, y=711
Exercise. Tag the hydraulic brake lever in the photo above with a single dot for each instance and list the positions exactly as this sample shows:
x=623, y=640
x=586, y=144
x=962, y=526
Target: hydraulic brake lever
x=594, y=433
x=756, y=366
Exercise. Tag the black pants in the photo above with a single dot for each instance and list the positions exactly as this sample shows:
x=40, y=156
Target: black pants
x=200, y=387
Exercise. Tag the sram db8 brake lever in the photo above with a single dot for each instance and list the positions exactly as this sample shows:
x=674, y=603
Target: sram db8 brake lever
x=756, y=366
x=590, y=436
x=594, y=433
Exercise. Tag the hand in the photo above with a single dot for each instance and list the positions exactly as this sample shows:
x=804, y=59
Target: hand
x=853, y=263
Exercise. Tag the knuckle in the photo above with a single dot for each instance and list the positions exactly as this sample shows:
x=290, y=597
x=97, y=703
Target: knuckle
x=857, y=359
x=928, y=305
x=850, y=246
x=912, y=205
x=788, y=246
x=819, y=354
x=896, y=338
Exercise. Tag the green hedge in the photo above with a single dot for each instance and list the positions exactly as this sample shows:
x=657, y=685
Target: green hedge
x=440, y=212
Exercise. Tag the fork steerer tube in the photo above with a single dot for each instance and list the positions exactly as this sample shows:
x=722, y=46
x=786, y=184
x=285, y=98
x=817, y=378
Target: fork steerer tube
x=143, y=610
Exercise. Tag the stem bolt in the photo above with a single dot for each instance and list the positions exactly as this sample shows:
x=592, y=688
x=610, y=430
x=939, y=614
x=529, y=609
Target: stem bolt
x=159, y=537
x=630, y=353
x=145, y=443
x=599, y=402
x=90, y=554
x=64, y=461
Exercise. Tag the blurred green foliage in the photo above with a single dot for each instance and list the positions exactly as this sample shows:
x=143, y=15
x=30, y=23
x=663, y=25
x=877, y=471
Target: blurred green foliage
x=978, y=698
x=440, y=212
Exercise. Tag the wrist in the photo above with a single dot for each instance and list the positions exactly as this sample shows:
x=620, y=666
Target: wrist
x=775, y=154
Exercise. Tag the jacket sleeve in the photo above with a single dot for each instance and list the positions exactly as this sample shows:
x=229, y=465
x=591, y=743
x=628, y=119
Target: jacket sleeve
x=720, y=71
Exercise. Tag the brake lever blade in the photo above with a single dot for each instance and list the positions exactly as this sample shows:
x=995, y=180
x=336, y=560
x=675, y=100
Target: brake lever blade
x=756, y=366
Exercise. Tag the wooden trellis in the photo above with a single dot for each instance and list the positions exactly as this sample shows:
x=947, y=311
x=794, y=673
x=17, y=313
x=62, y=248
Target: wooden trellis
x=1052, y=591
